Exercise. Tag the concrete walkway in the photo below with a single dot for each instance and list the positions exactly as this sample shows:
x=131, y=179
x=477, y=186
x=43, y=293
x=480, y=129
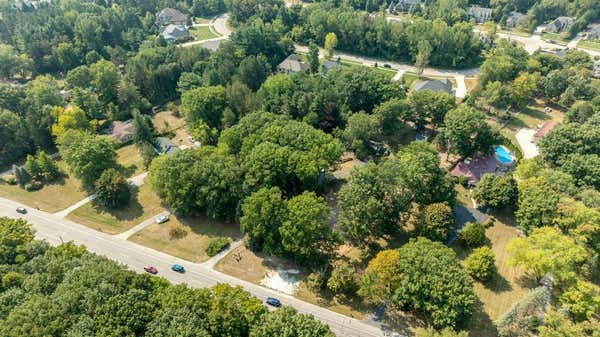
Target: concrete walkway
x=212, y=262
x=125, y=235
x=398, y=75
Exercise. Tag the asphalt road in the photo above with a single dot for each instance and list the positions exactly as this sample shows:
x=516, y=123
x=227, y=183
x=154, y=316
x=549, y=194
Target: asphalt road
x=56, y=230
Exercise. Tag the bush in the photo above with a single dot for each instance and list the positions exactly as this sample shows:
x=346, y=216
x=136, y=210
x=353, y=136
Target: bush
x=177, y=233
x=582, y=300
x=315, y=281
x=481, y=264
x=216, y=245
x=342, y=278
x=33, y=185
x=10, y=179
x=473, y=234
x=463, y=180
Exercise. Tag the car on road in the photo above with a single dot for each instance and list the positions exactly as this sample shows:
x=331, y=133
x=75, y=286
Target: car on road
x=178, y=268
x=273, y=301
x=21, y=210
x=162, y=219
x=151, y=269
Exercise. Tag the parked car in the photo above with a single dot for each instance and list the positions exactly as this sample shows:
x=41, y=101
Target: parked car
x=178, y=268
x=150, y=269
x=21, y=210
x=273, y=301
x=157, y=108
x=162, y=219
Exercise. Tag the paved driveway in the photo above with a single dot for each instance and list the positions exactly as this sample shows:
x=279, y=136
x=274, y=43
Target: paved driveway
x=528, y=148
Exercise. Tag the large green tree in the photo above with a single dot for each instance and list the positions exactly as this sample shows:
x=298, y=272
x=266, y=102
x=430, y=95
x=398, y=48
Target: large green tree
x=262, y=214
x=287, y=322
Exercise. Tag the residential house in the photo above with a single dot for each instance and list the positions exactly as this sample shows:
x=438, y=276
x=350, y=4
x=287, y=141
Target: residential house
x=328, y=65
x=175, y=33
x=515, y=19
x=543, y=130
x=292, y=64
x=123, y=131
x=596, y=72
x=163, y=145
x=168, y=16
x=560, y=24
x=435, y=85
x=594, y=32
x=480, y=14
x=404, y=6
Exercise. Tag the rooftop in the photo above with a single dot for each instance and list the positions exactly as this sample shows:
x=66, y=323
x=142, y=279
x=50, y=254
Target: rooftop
x=434, y=85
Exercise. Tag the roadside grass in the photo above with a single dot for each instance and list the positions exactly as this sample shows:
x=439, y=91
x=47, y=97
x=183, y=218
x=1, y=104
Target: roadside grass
x=143, y=205
x=471, y=83
x=185, y=237
x=130, y=158
x=202, y=33
x=554, y=36
x=589, y=44
x=507, y=287
x=53, y=197
x=515, y=32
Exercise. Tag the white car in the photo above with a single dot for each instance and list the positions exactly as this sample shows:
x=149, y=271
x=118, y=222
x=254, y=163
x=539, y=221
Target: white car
x=162, y=219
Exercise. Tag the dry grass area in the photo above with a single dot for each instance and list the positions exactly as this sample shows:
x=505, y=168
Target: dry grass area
x=131, y=159
x=165, y=121
x=53, y=197
x=471, y=83
x=507, y=287
x=143, y=205
x=185, y=238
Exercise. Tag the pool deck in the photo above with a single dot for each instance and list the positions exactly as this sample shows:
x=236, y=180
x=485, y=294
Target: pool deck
x=474, y=168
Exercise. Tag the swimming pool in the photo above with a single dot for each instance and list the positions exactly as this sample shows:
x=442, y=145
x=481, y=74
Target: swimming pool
x=504, y=155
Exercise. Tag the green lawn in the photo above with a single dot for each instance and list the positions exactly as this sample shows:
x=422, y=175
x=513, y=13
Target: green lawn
x=131, y=159
x=589, y=44
x=186, y=238
x=554, y=36
x=202, y=33
x=53, y=197
x=515, y=32
x=143, y=205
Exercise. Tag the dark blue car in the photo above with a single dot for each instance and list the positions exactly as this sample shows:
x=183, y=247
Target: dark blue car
x=178, y=268
x=273, y=301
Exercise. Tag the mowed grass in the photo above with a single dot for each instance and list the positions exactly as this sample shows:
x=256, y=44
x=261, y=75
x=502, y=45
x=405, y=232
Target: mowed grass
x=53, y=197
x=165, y=121
x=506, y=288
x=186, y=238
x=143, y=205
x=556, y=37
x=131, y=159
x=202, y=33
x=589, y=44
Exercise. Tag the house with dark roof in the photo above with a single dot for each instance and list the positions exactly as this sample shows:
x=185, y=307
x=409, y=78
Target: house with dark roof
x=292, y=64
x=515, y=19
x=163, y=145
x=328, y=65
x=560, y=24
x=404, y=6
x=169, y=16
x=122, y=131
x=435, y=85
x=480, y=14
x=175, y=33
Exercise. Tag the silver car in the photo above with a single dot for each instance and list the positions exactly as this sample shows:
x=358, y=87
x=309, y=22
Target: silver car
x=162, y=219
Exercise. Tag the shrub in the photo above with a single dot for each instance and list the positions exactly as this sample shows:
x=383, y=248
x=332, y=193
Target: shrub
x=342, y=278
x=473, y=234
x=177, y=233
x=463, y=180
x=481, y=263
x=12, y=279
x=10, y=179
x=216, y=245
x=582, y=300
x=315, y=281
x=33, y=185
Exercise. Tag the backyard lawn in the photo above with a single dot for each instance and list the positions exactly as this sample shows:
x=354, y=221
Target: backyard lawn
x=165, y=121
x=202, y=33
x=131, y=159
x=555, y=37
x=186, y=238
x=143, y=205
x=53, y=197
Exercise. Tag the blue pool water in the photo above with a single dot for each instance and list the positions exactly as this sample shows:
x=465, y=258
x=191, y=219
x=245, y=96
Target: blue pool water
x=503, y=155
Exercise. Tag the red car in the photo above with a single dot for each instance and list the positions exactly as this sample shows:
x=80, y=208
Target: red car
x=151, y=269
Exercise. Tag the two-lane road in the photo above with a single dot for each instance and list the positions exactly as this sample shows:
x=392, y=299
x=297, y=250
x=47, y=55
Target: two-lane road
x=56, y=230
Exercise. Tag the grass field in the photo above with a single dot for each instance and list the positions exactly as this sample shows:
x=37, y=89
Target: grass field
x=515, y=32
x=589, y=44
x=471, y=83
x=131, y=159
x=185, y=238
x=143, y=205
x=53, y=197
x=555, y=37
x=202, y=33
x=165, y=121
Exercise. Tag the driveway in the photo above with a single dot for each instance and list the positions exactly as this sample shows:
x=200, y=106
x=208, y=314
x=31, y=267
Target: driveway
x=528, y=148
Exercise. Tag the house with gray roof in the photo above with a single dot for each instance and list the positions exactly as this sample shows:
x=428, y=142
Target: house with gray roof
x=435, y=85
x=163, y=145
x=404, y=6
x=515, y=19
x=480, y=14
x=168, y=16
x=175, y=33
x=292, y=64
x=122, y=131
x=560, y=24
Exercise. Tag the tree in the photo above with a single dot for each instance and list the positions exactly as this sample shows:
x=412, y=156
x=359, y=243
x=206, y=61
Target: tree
x=361, y=131
x=105, y=79
x=87, y=155
x=422, y=59
x=557, y=325
x=305, y=234
x=436, y=222
x=41, y=167
x=313, y=58
x=467, y=132
x=537, y=203
x=524, y=86
x=253, y=71
x=495, y=191
x=381, y=277
x=143, y=129
x=473, y=234
x=72, y=118
x=112, y=190
x=582, y=300
x=392, y=114
x=331, y=42
x=204, y=103
x=15, y=234
x=262, y=214
x=38, y=316
x=481, y=263
x=427, y=105
x=233, y=311
x=342, y=279
x=547, y=250
x=446, y=332
x=14, y=138
x=434, y=282
x=288, y=322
